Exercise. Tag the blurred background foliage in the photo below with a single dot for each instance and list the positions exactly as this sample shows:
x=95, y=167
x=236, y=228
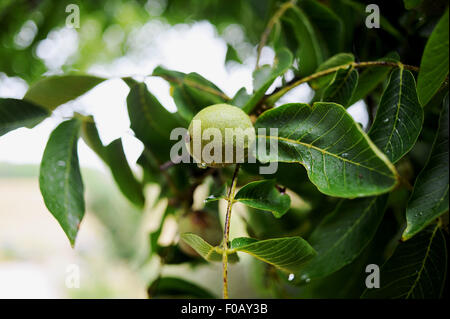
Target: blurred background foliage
x=109, y=28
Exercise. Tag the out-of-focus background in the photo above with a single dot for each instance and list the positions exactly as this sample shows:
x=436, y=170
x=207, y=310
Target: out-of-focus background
x=110, y=256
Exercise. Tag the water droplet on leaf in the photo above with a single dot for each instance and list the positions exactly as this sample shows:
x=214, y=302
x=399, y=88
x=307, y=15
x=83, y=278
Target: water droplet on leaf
x=305, y=278
x=202, y=165
x=210, y=197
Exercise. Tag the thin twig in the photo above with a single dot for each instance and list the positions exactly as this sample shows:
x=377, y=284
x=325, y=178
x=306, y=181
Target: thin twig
x=196, y=85
x=269, y=28
x=165, y=166
x=277, y=94
x=226, y=232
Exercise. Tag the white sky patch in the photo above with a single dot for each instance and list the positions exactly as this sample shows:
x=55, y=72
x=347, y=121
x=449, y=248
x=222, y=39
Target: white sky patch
x=359, y=113
x=25, y=146
x=57, y=48
x=300, y=94
x=24, y=280
x=12, y=87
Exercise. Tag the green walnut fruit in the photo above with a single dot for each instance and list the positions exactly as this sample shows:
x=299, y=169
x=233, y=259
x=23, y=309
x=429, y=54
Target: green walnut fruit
x=220, y=135
x=202, y=223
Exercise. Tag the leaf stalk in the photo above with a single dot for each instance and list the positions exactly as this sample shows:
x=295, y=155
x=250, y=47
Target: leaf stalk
x=226, y=232
x=271, y=99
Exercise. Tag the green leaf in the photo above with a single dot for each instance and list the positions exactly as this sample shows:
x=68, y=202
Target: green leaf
x=170, y=254
x=205, y=250
x=416, y=270
x=326, y=22
x=150, y=121
x=339, y=59
x=203, y=91
x=309, y=51
x=171, y=287
x=429, y=199
x=434, y=65
x=371, y=77
x=342, y=87
x=191, y=92
x=399, y=117
x=240, y=98
x=113, y=156
x=232, y=54
x=18, y=113
x=264, y=76
x=339, y=157
x=220, y=192
x=122, y=173
x=151, y=170
x=344, y=234
x=55, y=90
x=346, y=14
x=288, y=254
x=284, y=176
x=264, y=195
x=276, y=38
x=60, y=179
x=349, y=281
x=174, y=77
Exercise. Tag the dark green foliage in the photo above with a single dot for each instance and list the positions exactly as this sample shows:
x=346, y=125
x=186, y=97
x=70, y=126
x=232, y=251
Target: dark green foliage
x=18, y=113
x=175, y=287
x=416, y=270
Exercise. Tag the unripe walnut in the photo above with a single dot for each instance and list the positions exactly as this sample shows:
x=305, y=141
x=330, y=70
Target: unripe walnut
x=203, y=224
x=220, y=135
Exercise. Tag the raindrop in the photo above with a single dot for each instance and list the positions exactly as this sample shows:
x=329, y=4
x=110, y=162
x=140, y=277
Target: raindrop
x=305, y=278
x=202, y=165
x=386, y=120
x=61, y=163
x=344, y=154
x=210, y=197
x=291, y=277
